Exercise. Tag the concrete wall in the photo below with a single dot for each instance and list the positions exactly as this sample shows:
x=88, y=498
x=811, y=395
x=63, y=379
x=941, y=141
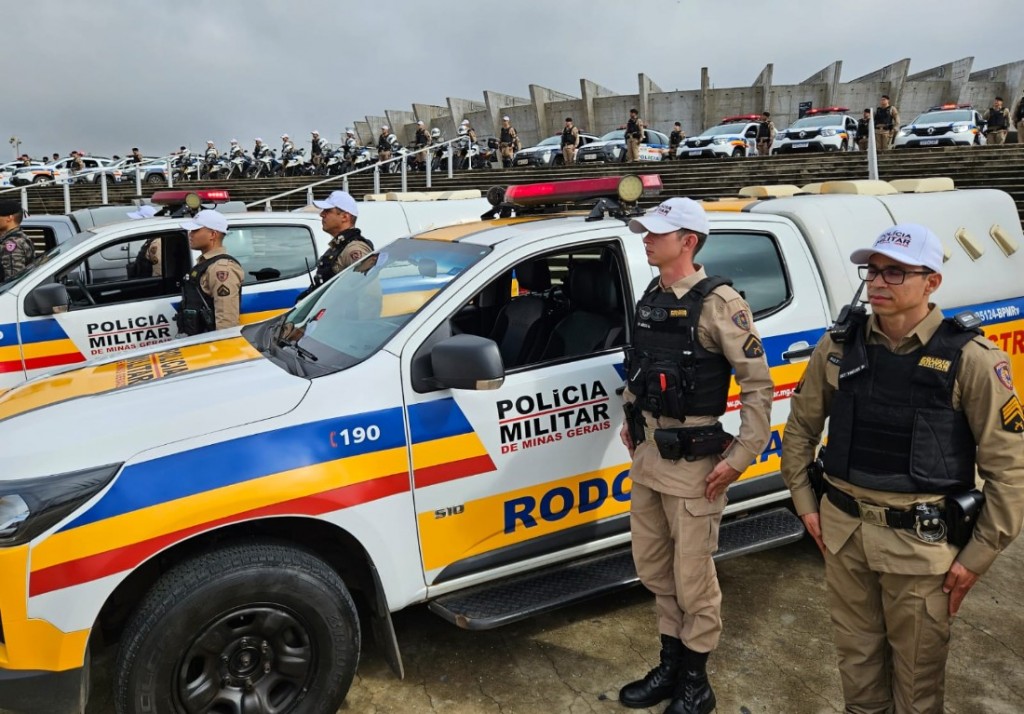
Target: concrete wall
x=556, y=114
x=403, y=124
x=524, y=119
x=612, y=112
x=667, y=108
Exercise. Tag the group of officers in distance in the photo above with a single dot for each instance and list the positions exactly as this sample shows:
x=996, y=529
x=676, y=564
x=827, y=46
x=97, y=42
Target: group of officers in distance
x=903, y=389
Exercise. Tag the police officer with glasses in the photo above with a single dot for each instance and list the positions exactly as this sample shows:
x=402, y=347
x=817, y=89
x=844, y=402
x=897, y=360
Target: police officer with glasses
x=916, y=404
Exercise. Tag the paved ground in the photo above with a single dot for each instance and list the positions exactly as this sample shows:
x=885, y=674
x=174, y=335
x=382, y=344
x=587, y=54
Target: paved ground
x=776, y=655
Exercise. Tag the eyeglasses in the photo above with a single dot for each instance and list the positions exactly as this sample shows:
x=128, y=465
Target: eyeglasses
x=891, y=275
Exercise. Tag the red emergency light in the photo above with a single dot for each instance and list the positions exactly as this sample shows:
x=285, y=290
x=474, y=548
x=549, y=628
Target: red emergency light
x=828, y=110
x=950, y=105
x=175, y=198
x=626, y=188
x=741, y=117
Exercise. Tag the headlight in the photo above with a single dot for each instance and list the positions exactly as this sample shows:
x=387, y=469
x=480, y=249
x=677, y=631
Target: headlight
x=720, y=140
x=780, y=136
x=829, y=131
x=30, y=506
x=617, y=151
x=905, y=131
x=960, y=128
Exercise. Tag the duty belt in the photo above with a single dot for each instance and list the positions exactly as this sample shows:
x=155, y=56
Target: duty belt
x=870, y=513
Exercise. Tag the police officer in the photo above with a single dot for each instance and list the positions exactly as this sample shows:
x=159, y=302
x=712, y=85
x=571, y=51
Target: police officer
x=259, y=148
x=917, y=404
x=136, y=156
x=421, y=141
x=508, y=141
x=16, y=250
x=349, y=144
x=765, y=134
x=634, y=135
x=316, y=149
x=863, y=130
x=570, y=142
x=148, y=262
x=691, y=333
x=674, y=140
x=338, y=214
x=887, y=123
x=287, y=149
x=383, y=145
x=211, y=293
x=997, y=122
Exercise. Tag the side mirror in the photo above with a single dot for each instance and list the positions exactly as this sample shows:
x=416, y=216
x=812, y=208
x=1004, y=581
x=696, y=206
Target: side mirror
x=467, y=362
x=46, y=299
x=265, y=274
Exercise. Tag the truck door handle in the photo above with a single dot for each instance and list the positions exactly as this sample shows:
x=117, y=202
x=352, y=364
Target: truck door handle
x=798, y=350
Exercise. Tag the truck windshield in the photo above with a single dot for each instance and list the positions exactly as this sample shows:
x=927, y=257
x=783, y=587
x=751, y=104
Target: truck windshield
x=352, y=316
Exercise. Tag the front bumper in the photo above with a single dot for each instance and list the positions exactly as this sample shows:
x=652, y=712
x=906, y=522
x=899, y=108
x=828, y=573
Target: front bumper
x=38, y=692
x=801, y=146
x=706, y=152
x=918, y=142
x=598, y=157
x=535, y=159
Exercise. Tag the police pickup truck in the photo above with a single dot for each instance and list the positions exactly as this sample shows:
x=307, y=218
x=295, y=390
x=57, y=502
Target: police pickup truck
x=438, y=424
x=86, y=296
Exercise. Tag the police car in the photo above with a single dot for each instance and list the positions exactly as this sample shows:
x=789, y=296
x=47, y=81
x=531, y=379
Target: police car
x=438, y=424
x=548, y=152
x=611, y=148
x=942, y=125
x=825, y=129
x=60, y=171
x=83, y=298
x=735, y=136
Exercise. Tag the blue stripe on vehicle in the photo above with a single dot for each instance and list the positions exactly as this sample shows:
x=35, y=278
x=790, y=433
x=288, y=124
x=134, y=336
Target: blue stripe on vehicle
x=41, y=331
x=205, y=468
x=437, y=420
x=270, y=300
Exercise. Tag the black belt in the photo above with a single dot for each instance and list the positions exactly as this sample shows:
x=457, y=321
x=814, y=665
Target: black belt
x=870, y=513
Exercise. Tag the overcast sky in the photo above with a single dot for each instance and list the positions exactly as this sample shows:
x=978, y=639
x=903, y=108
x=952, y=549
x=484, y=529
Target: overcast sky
x=107, y=75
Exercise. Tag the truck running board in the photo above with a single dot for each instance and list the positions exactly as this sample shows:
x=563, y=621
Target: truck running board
x=515, y=598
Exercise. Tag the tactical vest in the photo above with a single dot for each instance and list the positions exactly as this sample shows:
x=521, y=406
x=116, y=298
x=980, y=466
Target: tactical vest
x=667, y=369
x=862, y=128
x=567, y=137
x=325, y=266
x=883, y=118
x=422, y=138
x=633, y=129
x=506, y=135
x=675, y=138
x=382, y=143
x=7, y=257
x=196, y=315
x=763, y=132
x=317, y=148
x=997, y=120
x=892, y=426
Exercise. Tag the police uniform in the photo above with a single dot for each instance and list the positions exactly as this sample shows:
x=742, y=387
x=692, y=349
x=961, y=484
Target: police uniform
x=507, y=143
x=1018, y=120
x=383, y=146
x=997, y=125
x=887, y=123
x=16, y=250
x=674, y=140
x=211, y=294
x=570, y=142
x=765, y=136
x=674, y=527
x=634, y=137
x=344, y=249
x=863, y=128
x=904, y=420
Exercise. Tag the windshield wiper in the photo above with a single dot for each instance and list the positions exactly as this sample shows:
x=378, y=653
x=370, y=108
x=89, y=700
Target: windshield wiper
x=301, y=351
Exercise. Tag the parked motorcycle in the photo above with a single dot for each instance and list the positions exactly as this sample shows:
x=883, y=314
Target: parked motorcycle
x=265, y=165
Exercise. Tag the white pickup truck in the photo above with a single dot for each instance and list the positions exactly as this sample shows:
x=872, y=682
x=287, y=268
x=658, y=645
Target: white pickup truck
x=439, y=424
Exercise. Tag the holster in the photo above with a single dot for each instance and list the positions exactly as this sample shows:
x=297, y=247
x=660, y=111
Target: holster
x=692, y=443
x=962, y=510
x=635, y=423
x=816, y=473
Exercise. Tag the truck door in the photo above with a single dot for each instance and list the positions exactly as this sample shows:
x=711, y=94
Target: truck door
x=536, y=466
x=769, y=264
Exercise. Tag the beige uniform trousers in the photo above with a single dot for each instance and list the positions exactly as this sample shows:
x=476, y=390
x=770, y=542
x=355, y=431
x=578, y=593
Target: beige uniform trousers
x=568, y=154
x=632, y=149
x=891, y=630
x=673, y=541
x=1020, y=132
x=996, y=137
x=883, y=139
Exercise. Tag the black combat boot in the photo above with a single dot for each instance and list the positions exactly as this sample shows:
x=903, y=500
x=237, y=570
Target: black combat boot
x=660, y=682
x=693, y=694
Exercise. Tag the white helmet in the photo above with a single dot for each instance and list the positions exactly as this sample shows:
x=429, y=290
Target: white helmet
x=284, y=136
x=465, y=122
x=350, y=131
x=234, y=141
x=392, y=139
x=435, y=133
x=463, y=131
x=315, y=133
x=209, y=142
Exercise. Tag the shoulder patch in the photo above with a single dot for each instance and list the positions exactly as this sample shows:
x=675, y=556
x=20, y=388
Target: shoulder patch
x=741, y=320
x=223, y=291
x=221, y=275
x=10, y=246
x=835, y=358
x=1013, y=415
x=753, y=348
x=1004, y=374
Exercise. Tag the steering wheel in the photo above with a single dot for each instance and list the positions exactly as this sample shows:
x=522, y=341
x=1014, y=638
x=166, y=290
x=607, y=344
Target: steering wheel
x=80, y=284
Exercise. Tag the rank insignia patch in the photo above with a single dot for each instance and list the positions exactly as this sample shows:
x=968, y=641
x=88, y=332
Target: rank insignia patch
x=223, y=291
x=1013, y=415
x=752, y=348
x=741, y=320
x=1005, y=376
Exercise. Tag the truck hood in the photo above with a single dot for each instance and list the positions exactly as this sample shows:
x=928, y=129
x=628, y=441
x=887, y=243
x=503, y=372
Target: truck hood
x=106, y=413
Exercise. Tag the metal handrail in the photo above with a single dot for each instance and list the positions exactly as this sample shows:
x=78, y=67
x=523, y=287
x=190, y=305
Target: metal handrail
x=375, y=167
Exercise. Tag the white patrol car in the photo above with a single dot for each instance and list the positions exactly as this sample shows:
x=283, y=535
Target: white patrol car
x=439, y=424
x=942, y=125
x=548, y=152
x=112, y=308
x=735, y=136
x=825, y=129
x=611, y=148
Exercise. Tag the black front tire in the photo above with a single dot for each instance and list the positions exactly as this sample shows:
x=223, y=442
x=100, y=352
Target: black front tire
x=155, y=179
x=257, y=627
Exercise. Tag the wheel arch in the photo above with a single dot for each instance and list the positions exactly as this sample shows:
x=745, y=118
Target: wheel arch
x=334, y=545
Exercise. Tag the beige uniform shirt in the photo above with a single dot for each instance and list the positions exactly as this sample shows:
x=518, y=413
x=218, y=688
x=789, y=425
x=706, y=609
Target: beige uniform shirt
x=352, y=252
x=983, y=391
x=726, y=327
x=223, y=283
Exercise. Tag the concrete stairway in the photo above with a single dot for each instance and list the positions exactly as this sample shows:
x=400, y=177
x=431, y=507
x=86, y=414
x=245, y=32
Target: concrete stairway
x=999, y=167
